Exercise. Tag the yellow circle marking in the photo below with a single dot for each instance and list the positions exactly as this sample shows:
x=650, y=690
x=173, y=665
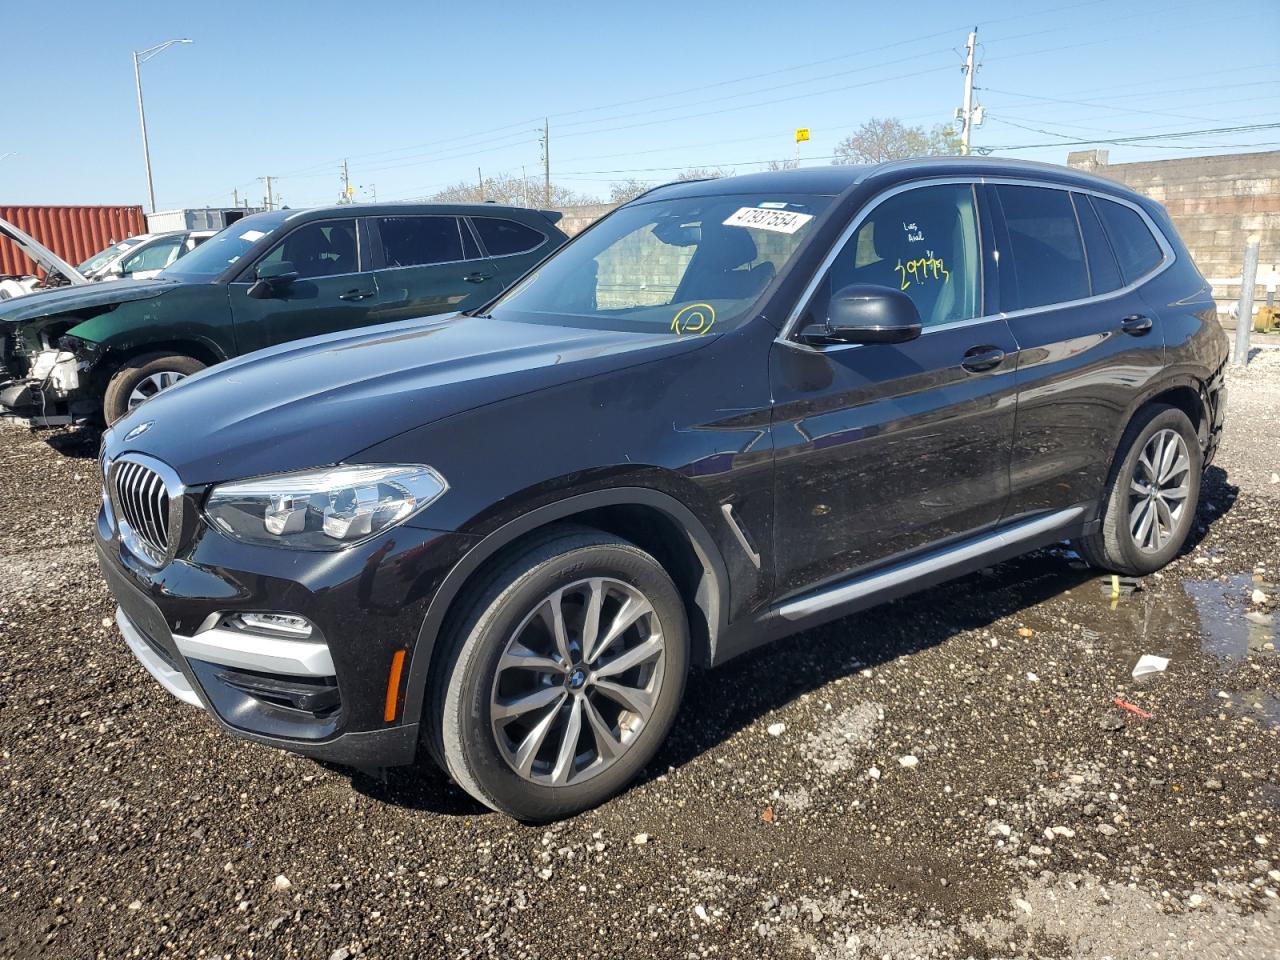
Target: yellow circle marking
x=697, y=318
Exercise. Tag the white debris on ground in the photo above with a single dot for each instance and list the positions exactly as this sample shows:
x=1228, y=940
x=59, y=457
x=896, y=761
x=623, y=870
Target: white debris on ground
x=838, y=745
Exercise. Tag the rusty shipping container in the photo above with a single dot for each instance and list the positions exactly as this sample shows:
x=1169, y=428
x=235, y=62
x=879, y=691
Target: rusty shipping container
x=73, y=233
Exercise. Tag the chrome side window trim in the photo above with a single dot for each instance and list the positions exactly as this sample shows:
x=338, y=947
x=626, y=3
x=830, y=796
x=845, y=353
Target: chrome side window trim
x=361, y=253
x=785, y=336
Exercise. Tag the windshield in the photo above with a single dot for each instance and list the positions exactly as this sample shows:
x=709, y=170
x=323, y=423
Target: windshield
x=208, y=261
x=687, y=266
x=104, y=257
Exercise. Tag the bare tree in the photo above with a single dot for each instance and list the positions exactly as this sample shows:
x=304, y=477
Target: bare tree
x=704, y=173
x=878, y=140
x=775, y=165
x=513, y=191
x=623, y=190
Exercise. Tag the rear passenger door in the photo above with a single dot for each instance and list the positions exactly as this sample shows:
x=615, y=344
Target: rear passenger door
x=1087, y=344
x=429, y=265
x=513, y=247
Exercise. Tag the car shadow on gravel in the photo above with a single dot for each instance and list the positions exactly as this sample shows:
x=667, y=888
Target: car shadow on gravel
x=720, y=703
x=78, y=443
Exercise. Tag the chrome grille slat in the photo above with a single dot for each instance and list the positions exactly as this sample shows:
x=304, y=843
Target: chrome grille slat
x=154, y=520
x=143, y=501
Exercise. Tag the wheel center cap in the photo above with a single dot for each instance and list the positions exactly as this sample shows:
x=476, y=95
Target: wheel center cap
x=577, y=679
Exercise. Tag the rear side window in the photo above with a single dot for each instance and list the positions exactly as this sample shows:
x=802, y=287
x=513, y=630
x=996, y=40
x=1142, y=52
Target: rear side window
x=1104, y=273
x=504, y=237
x=419, y=241
x=1136, y=249
x=1048, y=255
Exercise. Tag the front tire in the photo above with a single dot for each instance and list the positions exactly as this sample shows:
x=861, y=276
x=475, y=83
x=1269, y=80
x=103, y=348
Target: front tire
x=1151, y=499
x=563, y=677
x=142, y=378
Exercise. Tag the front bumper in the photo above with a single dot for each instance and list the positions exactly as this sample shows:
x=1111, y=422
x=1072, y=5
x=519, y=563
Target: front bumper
x=326, y=697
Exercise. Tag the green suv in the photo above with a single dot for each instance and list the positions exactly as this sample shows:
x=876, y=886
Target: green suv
x=84, y=352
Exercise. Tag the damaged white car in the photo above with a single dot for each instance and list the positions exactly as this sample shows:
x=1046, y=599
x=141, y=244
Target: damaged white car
x=58, y=273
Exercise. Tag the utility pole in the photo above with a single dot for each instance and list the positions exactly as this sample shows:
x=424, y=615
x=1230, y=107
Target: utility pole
x=970, y=114
x=546, y=162
x=480, y=183
x=267, y=201
x=346, y=183
x=139, y=58
x=235, y=197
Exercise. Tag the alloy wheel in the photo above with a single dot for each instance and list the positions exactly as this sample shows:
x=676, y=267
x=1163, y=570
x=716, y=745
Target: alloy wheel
x=577, y=681
x=149, y=386
x=1159, y=489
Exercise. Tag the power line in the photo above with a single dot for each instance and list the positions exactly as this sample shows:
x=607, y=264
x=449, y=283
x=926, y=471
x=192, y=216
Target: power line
x=1138, y=139
x=470, y=138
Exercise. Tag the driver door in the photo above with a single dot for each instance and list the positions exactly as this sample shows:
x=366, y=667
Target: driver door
x=334, y=290
x=885, y=449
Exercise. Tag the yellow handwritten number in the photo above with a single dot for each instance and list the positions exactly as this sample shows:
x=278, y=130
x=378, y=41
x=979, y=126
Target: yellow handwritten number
x=921, y=270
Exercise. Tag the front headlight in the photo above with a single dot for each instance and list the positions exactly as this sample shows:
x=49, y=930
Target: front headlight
x=323, y=509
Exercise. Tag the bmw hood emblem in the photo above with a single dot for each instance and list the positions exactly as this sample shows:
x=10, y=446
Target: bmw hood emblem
x=139, y=430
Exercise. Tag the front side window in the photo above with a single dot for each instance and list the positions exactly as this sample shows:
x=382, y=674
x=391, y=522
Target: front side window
x=505, y=237
x=104, y=257
x=154, y=256
x=1048, y=255
x=687, y=267
x=1136, y=249
x=924, y=242
x=417, y=241
x=323, y=249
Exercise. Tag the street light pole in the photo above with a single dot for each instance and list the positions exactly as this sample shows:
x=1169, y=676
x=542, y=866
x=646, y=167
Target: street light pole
x=140, y=58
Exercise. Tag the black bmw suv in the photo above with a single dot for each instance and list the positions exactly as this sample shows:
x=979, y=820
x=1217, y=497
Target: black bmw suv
x=728, y=411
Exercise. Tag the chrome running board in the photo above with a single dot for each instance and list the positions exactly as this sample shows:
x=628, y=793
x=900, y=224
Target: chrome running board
x=931, y=564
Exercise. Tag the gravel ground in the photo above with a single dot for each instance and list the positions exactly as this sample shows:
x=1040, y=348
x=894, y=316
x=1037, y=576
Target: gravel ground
x=947, y=776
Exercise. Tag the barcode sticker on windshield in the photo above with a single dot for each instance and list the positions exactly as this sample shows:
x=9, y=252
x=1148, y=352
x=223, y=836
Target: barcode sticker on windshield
x=762, y=218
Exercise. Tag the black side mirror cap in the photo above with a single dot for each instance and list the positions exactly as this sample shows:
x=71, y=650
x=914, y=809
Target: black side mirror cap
x=272, y=278
x=866, y=313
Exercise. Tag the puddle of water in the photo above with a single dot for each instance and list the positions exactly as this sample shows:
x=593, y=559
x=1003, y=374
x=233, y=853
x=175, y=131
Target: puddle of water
x=1222, y=605
x=1205, y=617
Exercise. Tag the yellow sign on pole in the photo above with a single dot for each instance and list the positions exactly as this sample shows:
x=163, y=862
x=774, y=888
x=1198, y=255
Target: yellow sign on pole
x=802, y=134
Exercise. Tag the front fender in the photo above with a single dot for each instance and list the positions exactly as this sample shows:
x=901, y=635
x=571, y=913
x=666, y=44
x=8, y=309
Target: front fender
x=186, y=313
x=711, y=599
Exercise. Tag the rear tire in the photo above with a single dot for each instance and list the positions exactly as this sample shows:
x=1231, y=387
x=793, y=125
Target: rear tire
x=1148, y=507
x=143, y=377
x=503, y=656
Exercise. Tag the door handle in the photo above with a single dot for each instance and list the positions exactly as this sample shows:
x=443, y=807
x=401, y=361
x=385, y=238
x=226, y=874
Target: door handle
x=477, y=277
x=357, y=294
x=978, y=359
x=1136, y=325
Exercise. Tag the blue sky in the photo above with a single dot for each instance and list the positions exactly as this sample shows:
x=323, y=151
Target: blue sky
x=418, y=95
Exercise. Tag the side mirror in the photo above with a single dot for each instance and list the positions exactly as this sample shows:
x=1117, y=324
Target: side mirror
x=865, y=313
x=272, y=278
